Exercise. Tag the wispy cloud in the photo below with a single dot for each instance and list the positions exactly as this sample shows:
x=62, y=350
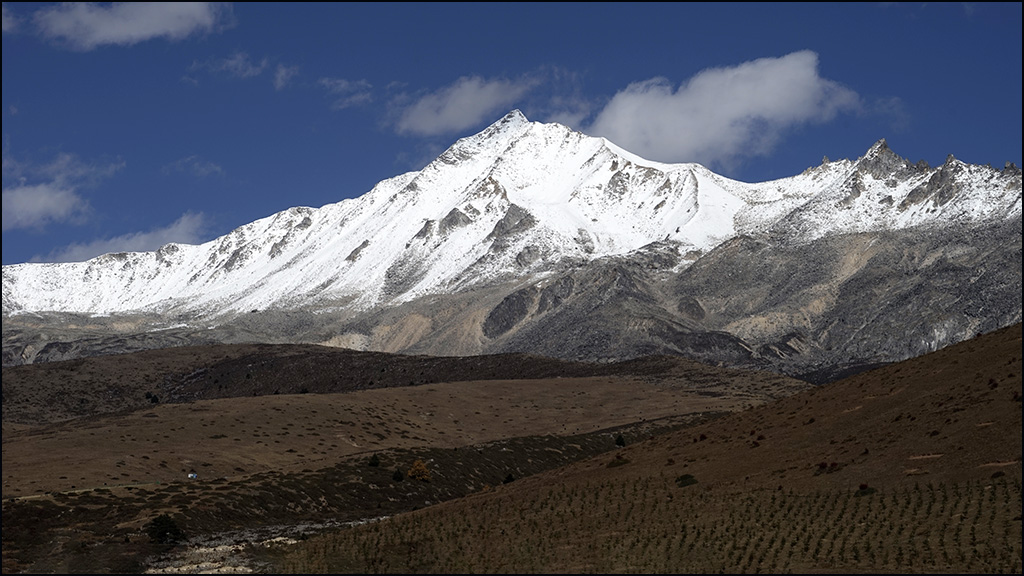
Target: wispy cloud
x=722, y=114
x=37, y=195
x=10, y=21
x=568, y=103
x=189, y=229
x=241, y=65
x=894, y=110
x=463, y=104
x=87, y=25
x=347, y=93
x=193, y=165
x=238, y=65
x=283, y=76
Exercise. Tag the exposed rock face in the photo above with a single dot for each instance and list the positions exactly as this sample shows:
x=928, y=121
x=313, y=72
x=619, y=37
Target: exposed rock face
x=534, y=238
x=512, y=310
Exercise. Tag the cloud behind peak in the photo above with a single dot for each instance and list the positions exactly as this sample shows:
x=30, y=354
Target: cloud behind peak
x=722, y=114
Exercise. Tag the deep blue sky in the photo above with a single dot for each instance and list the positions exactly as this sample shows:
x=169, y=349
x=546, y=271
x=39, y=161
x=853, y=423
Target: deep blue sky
x=126, y=127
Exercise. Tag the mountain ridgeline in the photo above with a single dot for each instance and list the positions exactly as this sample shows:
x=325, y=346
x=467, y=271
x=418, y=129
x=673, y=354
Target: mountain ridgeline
x=531, y=237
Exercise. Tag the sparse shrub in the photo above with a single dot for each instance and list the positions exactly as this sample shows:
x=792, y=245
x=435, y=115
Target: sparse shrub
x=419, y=471
x=864, y=490
x=398, y=476
x=164, y=530
x=618, y=461
x=685, y=480
x=828, y=468
x=620, y=441
x=374, y=461
x=508, y=479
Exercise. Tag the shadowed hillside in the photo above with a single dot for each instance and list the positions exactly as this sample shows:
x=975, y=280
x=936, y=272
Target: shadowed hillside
x=58, y=391
x=914, y=467
x=280, y=438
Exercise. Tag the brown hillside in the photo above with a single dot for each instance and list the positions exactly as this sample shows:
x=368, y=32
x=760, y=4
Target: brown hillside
x=952, y=415
x=89, y=458
x=57, y=391
x=914, y=467
x=241, y=436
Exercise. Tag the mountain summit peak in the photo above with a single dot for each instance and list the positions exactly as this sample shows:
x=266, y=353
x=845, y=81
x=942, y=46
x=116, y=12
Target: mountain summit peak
x=515, y=115
x=879, y=147
x=880, y=161
x=512, y=123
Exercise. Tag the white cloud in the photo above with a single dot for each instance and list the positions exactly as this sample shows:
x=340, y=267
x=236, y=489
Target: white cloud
x=37, y=195
x=347, y=93
x=283, y=75
x=463, y=104
x=193, y=165
x=722, y=114
x=10, y=22
x=189, y=229
x=36, y=205
x=87, y=25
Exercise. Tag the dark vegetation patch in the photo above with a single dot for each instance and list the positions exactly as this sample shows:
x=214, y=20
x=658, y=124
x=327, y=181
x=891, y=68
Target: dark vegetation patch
x=59, y=391
x=119, y=525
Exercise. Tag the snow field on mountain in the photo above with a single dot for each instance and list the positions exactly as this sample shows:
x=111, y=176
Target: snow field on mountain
x=518, y=198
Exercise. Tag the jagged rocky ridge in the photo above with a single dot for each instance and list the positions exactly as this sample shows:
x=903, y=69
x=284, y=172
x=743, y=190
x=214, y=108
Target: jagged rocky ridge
x=534, y=238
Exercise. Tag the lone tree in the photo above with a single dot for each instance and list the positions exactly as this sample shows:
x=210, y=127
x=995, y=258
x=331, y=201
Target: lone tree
x=620, y=441
x=164, y=530
x=419, y=471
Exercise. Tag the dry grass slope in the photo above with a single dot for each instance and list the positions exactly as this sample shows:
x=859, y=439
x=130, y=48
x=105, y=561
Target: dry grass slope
x=89, y=459
x=914, y=467
x=651, y=525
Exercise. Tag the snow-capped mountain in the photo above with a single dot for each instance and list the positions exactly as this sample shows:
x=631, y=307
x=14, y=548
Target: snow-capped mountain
x=532, y=237
x=518, y=200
